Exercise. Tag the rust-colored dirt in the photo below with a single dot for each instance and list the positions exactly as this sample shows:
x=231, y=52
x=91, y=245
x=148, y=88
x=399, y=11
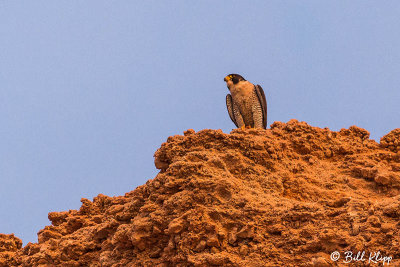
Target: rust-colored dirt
x=287, y=196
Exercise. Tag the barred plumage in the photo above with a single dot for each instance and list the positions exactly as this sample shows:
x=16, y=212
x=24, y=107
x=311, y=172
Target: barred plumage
x=247, y=105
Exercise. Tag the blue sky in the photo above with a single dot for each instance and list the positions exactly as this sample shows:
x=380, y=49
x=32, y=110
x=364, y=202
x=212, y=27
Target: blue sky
x=90, y=89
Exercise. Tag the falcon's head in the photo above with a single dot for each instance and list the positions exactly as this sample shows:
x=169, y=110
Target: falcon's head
x=233, y=79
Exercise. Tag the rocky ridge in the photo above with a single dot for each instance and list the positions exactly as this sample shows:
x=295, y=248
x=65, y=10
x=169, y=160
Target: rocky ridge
x=287, y=196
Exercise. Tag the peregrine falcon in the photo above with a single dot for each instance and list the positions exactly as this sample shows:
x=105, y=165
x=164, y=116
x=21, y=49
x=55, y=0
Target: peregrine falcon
x=246, y=103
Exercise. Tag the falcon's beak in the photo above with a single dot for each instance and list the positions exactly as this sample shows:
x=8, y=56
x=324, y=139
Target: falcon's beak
x=226, y=78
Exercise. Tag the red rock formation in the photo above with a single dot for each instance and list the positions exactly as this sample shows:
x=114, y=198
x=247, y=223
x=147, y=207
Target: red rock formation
x=287, y=196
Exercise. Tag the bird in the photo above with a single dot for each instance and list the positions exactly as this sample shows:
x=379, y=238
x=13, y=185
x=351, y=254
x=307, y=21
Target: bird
x=246, y=103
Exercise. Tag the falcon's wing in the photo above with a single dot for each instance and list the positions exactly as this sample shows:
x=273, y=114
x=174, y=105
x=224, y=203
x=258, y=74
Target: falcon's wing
x=229, y=106
x=263, y=102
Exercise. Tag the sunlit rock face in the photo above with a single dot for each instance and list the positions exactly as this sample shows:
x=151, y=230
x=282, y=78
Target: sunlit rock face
x=287, y=196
